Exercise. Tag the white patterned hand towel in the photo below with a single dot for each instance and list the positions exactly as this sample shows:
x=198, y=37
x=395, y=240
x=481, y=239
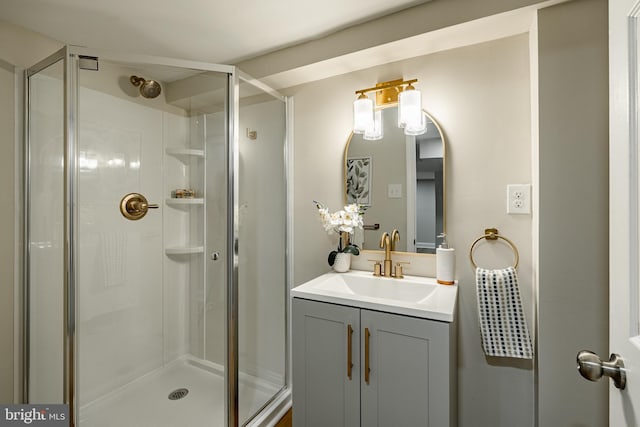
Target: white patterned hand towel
x=502, y=324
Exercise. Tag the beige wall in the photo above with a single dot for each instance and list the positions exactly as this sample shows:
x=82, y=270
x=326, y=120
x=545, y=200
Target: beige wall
x=480, y=95
x=573, y=183
x=22, y=47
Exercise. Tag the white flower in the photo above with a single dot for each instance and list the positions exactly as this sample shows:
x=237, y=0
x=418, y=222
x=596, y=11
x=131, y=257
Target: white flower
x=352, y=208
x=341, y=221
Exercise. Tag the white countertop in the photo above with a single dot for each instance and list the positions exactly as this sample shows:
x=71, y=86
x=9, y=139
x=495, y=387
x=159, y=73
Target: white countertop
x=412, y=296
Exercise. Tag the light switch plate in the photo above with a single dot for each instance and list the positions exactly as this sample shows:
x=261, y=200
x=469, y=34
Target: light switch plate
x=394, y=191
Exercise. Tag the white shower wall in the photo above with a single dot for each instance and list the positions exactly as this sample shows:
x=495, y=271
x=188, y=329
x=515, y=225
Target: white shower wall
x=138, y=308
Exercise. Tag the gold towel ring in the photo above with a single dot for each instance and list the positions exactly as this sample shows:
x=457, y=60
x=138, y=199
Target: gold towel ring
x=492, y=234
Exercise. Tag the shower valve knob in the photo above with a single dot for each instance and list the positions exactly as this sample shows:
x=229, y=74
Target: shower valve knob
x=134, y=206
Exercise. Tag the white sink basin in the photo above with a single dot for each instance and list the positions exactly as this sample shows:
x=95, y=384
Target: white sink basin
x=413, y=296
x=369, y=286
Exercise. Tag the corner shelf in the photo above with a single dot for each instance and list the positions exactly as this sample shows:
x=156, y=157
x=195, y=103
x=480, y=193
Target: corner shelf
x=184, y=250
x=185, y=152
x=186, y=201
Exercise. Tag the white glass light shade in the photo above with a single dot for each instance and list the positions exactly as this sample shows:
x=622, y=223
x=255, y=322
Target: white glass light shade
x=375, y=132
x=410, y=108
x=362, y=114
x=417, y=130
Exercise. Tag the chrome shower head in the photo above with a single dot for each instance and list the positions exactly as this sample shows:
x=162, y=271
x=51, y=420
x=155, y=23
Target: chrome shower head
x=148, y=88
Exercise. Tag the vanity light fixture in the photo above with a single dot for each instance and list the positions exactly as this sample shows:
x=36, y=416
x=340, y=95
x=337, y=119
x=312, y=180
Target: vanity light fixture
x=362, y=114
x=410, y=115
x=368, y=120
x=374, y=133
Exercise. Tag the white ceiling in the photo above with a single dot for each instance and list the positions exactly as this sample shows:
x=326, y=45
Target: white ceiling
x=202, y=30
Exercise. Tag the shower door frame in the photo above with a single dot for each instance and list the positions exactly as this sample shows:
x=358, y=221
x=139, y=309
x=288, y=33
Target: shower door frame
x=70, y=56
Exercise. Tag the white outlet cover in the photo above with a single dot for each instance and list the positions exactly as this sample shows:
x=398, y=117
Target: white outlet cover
x=394, y=191
x=519, y=199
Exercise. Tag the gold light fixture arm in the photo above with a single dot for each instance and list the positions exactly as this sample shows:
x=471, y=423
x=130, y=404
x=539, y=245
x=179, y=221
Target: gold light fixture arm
x=386, y=85
x=387, y=92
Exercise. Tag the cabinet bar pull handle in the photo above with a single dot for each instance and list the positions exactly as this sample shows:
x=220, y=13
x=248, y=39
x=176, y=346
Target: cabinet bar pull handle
x=366, y=355
x=349, y=350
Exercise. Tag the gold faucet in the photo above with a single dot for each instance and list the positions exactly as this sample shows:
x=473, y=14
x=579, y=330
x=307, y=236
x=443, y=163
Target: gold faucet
x=395, y=237
x=385, y=243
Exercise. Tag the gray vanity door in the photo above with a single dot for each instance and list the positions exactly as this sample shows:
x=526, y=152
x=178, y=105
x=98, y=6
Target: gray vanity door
x=323, y=393
x=409, y=371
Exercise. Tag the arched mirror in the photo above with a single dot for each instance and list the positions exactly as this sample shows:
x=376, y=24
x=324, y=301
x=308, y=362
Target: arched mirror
x=399, y=181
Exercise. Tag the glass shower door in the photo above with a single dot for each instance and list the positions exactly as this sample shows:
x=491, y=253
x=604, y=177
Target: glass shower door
x=45, y=234
x=262, y=228
x=147, y=292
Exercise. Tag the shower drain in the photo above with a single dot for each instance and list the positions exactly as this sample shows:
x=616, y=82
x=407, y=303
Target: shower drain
x=178, y=394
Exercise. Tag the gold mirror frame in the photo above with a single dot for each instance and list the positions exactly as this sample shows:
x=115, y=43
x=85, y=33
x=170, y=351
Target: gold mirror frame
x=444, y=178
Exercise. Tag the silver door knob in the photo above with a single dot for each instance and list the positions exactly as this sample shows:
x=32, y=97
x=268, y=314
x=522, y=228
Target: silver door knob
x=592, y=368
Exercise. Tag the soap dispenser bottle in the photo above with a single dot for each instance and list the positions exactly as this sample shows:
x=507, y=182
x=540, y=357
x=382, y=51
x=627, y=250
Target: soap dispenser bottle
x=445, y=262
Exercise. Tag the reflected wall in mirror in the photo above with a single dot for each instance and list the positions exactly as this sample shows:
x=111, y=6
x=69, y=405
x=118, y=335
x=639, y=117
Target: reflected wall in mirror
x=399, y=181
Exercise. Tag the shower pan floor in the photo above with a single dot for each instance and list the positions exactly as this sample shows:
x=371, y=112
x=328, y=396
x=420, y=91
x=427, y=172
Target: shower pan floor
x=145, y=402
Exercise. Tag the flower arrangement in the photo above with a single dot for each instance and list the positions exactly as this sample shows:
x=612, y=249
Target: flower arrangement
x=342, y=222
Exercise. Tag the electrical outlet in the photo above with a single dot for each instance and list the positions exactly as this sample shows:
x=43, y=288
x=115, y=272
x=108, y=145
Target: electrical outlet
x=519, y=199
x=394, y=191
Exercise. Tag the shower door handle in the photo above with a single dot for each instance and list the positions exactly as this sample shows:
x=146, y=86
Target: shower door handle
x=134, y=206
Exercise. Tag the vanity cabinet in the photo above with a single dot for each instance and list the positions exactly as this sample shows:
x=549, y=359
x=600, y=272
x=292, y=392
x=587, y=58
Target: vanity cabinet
x=360, y=367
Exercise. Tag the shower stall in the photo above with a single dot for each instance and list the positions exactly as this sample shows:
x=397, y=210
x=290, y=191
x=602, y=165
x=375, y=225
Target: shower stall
x=156, y=272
